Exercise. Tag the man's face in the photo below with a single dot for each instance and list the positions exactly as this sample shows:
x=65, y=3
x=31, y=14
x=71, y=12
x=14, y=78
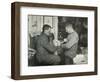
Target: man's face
x=48, y=32
x=68, y=28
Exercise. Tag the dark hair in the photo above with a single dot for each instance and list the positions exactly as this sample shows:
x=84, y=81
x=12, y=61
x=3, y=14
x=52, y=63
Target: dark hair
x=45, y=27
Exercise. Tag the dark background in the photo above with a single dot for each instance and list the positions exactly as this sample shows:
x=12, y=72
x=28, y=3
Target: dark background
x=79, y=24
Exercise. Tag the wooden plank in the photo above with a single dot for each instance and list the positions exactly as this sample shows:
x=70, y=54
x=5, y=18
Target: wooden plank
x=48, y=20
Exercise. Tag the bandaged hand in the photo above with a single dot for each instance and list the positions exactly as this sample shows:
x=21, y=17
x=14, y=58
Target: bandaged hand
x=65, y=40
x=57, y=43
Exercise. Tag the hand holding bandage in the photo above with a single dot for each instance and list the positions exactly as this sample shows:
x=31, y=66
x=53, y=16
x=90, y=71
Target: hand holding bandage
x=57, y=43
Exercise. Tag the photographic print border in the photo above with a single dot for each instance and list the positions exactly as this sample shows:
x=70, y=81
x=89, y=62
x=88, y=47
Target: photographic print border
x=15, y=39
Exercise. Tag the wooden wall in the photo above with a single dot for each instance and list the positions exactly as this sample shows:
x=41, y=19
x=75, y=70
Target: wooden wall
x=35, y=24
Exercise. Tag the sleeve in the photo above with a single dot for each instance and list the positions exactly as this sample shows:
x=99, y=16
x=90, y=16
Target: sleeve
x=48, y=45
x=73, y=40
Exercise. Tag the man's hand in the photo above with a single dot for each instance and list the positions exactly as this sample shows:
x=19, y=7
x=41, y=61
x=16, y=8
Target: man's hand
x=63, y=46
x=57, y=43
x=65, y=40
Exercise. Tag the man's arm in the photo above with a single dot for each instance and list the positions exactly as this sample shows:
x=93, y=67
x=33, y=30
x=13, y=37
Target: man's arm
x=73, y=40
x=48, y=45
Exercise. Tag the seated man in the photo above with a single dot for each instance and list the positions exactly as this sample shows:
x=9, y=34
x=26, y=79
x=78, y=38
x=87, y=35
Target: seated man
x=46, y=49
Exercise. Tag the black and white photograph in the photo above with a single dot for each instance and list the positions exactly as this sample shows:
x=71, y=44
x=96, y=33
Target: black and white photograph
x=57, y=40
x=50, y=40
